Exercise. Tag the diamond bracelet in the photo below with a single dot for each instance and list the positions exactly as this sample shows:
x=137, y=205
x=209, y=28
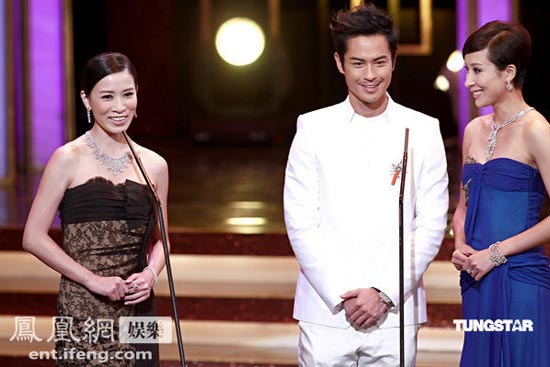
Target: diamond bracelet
x=155, y=277
x=495, y=255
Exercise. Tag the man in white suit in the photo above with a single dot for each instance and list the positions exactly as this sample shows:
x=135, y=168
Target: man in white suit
x=341, y=202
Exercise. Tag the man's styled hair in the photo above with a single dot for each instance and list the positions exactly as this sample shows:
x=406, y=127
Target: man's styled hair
x=364, y=20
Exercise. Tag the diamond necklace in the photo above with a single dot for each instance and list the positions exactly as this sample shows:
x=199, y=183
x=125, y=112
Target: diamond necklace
x=115, y=165
x=492, y=139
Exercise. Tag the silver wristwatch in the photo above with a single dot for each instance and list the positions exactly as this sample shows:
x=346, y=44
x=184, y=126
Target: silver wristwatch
x=384, y=298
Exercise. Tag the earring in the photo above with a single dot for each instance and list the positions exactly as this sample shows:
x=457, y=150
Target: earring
x=89, y=115
x=509, y=86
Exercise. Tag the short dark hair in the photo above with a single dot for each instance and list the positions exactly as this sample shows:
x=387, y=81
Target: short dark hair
x=507, y=44
x=101, y=65
x=364, y=20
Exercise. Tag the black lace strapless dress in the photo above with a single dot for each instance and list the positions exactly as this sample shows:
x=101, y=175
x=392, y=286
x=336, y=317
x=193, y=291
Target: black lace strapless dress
x=106, y=228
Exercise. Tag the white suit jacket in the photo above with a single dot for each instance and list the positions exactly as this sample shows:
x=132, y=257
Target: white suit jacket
x=342, y=211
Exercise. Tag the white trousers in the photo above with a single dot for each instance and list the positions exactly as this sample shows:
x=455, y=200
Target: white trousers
x=323, y=346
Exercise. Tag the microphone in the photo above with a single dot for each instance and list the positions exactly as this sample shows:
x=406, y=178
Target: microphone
x=136, y=157
x=404, y=165
x=401, y=260
x=164, y=237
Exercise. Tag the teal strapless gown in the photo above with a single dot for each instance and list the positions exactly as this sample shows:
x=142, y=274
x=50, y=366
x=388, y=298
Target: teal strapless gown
x=504, y=198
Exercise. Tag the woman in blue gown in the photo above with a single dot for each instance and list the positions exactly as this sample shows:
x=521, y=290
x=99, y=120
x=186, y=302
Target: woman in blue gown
x=505, y=277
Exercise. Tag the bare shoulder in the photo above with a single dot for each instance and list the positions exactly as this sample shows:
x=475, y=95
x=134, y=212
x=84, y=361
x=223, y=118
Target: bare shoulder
x=69, y=154
x=154, y=162
x=534, y=140
x=476, y=125
x=537, y=130
x=472, y=130
x=537, y=123
x=63, y=163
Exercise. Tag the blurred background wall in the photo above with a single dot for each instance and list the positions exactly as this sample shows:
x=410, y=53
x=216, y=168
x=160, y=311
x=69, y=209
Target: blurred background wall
x=188, y=93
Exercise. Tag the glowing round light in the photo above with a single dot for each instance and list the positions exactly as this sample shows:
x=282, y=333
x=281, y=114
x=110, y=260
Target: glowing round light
x=240, y=41
x=441, y=83
x=455, y=62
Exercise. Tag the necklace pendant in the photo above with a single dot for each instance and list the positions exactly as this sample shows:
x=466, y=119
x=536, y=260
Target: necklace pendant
x=492, y=139
x=491, y=142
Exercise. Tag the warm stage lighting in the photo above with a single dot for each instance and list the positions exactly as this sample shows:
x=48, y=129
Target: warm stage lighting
x=246, y=221
x=441, y=83
x=240, y=41
x=455, y=62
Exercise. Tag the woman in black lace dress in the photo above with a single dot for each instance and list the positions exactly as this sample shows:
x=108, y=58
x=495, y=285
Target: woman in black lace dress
x=110, y=257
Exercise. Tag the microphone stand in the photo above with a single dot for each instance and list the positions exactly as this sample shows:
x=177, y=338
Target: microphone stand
x=164, y=237
x=401, y=260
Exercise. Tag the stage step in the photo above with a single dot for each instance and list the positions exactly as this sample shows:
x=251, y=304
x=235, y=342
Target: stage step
x=216, y=281
x=215, y=276
x=241, y=342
